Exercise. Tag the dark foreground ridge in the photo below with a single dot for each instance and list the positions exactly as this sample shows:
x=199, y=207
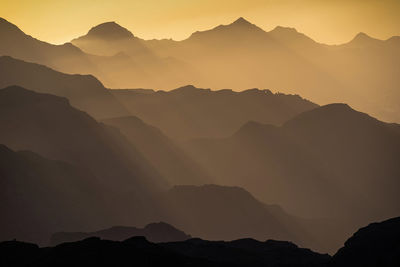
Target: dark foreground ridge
x=137, y=251
x=154, y=232
x=375, y=245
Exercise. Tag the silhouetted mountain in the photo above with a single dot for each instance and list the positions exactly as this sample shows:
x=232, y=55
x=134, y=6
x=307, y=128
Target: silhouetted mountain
x=192, y=112
x=330, y=162
x=169, y=159
x=48, y=125
x=38, y=196
x=84, y=92
x=138, y=251
x=376, y=245
x=154, y=232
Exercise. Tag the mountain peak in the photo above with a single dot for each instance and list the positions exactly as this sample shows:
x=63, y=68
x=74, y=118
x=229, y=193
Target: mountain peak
x=363, y=38
x=241, y=21
x=110, y=30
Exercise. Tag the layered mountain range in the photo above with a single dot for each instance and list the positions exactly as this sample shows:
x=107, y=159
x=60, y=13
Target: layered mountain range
x=77, y=156
x=362, y=72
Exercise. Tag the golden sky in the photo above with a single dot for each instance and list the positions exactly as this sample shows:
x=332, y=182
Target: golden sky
x=327, y=21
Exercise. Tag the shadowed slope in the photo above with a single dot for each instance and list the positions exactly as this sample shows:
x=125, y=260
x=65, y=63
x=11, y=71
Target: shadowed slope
x=169, y=159
x=48, y=125
x=330, y=162
x=39, y=196
x=226, y=213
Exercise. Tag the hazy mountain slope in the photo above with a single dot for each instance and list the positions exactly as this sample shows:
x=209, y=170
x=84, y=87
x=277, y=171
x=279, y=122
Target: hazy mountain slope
x=169, y=159
x=66, y=57
x=48, y=125
x=111, y=70
x=189, y=112
x=154, y=232
x=39, y=196
x=330, y=162
x=84, y=92
x=108, y=39
x=240, y=55
x=225, y=213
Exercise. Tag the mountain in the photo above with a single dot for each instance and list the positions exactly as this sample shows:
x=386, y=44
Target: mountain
x=371, y=246
x=242, y=55
x=110, y=39
x=154, y=232
x=39, y=196
x=67, y=58
x=19, y=45
x=171, y=161
x=238, y=55
x=217, y=212
x=189, y=112
x=378, y=244
x=84, y=92
x=329, y=162
x=50, y=126
x=138, y=251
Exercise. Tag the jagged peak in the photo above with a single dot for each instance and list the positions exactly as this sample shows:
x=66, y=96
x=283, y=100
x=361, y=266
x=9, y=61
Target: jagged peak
x=110, y=30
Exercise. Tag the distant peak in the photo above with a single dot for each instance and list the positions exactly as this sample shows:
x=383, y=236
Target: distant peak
x=363, y=38
x=241, y=21
x=186, y=89
x=110, y=30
